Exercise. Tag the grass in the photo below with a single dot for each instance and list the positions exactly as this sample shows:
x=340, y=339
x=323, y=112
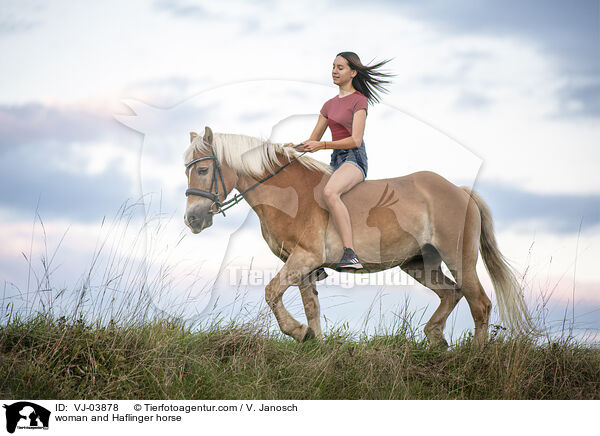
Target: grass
x=43, y=358
x=106, y=340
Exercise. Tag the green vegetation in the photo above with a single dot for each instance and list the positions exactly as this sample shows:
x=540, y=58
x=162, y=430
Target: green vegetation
x=57, y=359
x=105, y=338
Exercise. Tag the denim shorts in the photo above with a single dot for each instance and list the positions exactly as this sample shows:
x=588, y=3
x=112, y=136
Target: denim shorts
x=356, y=156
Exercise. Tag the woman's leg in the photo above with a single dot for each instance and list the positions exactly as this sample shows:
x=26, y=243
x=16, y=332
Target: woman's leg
x=341, y=181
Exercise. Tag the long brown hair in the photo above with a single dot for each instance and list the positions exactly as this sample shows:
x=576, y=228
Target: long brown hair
x=368, y=80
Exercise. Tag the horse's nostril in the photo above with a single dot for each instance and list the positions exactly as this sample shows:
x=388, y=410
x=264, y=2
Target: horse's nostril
x=192, y=218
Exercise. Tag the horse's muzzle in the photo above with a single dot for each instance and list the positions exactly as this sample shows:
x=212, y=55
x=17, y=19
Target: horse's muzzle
x=198, y=222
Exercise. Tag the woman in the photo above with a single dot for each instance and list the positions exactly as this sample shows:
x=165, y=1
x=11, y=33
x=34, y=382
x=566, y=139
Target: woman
x=346, y=114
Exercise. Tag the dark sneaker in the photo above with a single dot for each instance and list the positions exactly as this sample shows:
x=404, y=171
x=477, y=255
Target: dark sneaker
x=349, y=260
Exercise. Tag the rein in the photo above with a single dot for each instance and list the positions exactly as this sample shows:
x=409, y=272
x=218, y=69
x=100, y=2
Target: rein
x=214, y=196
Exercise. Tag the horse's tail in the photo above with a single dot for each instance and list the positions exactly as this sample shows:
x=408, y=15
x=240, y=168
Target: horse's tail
x=511, y=304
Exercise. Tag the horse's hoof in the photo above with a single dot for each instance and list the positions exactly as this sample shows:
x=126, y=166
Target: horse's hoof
x=310, y=334
x=440, y=345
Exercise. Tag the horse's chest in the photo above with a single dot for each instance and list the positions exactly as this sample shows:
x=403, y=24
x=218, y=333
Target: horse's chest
x=276, y=245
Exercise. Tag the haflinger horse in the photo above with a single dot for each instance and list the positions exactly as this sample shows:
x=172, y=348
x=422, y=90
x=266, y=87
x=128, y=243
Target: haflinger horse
x=415, y=222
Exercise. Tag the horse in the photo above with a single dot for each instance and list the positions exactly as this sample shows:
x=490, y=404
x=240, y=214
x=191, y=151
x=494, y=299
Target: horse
x=414, y=222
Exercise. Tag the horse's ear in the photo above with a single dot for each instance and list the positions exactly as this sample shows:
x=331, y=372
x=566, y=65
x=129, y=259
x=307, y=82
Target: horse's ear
x=208, y=135
x=193, y=136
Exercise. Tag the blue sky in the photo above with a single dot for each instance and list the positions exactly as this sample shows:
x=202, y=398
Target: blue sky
x=502, y=95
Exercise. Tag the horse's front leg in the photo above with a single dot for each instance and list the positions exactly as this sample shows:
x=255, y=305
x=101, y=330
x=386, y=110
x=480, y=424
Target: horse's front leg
x=297, y=266
x=312, y=308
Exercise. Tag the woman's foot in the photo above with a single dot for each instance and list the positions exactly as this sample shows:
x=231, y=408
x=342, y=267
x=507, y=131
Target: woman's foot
x=349, y=260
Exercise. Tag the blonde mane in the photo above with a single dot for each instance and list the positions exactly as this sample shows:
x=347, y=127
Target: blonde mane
x=251, y=156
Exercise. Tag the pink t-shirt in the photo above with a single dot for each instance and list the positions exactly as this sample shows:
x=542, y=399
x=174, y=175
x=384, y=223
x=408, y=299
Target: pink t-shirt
x=340, y=113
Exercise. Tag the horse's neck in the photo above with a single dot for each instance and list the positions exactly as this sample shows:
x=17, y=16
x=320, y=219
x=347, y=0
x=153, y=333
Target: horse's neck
x=281, y=191
x=268, y=193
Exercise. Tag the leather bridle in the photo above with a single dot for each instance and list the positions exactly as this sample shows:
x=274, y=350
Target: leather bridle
x=214, y=196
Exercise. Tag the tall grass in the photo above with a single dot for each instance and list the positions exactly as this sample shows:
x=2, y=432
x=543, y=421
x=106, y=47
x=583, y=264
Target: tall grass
x=129, y=278
x=110, y=338
x=43, y=358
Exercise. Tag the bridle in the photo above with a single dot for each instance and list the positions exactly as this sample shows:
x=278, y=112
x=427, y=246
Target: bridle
x=214, y=196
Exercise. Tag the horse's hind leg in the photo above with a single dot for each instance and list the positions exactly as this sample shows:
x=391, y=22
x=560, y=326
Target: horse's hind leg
x=426, y=269
x=479, y=303
x=468, y=282
x=449, y=298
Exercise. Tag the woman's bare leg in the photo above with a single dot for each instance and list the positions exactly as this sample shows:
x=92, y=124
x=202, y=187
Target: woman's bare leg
x=341, y=181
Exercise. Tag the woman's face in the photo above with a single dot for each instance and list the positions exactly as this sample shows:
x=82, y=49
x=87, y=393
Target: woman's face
x=342, y=73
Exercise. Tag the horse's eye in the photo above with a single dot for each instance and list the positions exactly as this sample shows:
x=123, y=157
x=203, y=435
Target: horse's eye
x=202, y=171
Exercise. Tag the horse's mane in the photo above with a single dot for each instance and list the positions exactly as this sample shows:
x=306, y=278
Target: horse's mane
x=251, y=156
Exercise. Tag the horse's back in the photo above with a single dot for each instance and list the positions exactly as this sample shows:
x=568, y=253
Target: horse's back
x=423, y=203
x=427, y=177
x=419, y=186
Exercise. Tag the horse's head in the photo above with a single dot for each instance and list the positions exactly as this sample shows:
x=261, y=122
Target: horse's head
x=209, y=182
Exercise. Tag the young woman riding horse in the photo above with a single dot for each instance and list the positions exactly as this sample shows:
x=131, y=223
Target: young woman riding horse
x=415, y=222
x=346, y=114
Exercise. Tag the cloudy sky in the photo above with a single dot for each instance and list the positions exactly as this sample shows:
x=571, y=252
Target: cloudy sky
x=97, y=101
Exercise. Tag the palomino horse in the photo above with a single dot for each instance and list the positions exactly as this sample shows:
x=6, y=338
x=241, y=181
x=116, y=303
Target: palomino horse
x=414, y=222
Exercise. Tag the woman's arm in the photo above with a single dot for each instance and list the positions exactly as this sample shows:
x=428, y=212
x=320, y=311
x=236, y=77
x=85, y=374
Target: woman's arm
x=354, y=141
x=319, y=129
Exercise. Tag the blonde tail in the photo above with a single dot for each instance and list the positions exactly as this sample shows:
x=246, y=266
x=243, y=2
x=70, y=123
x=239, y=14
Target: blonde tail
x=511, y=304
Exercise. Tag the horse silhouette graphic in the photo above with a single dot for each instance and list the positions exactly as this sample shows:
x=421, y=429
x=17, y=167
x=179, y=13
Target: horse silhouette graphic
x=31, y=413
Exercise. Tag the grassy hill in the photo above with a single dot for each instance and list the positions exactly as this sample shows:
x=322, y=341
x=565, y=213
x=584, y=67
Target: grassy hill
x=44, y=358
x=112, y=343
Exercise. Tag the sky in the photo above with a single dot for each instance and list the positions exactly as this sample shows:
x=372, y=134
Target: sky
x=97, y=101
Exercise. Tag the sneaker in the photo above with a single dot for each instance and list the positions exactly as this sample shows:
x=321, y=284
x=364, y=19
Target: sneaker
x=349, y=260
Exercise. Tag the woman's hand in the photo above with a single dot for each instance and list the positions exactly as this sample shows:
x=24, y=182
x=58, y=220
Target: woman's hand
x=310, y=146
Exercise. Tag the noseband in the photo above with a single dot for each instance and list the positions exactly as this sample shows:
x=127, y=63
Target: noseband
x=214, y=196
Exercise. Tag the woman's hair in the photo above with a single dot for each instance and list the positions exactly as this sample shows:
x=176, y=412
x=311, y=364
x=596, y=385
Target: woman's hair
x=368, y=80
